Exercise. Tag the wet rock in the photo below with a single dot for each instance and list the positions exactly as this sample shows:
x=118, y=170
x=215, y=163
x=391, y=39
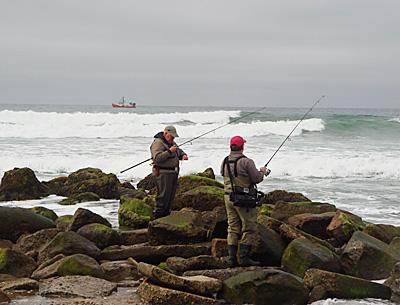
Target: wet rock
x=117, y=271
x=201, y=198
x=4, y=297
x=208, y=173
x=102, y=236
x=55, y=185
x=180, y=227
x=216, y=222
x=302, y=254
x=63, y=222
x=383, y=232
x=148, y=183
x=133, y=237
x=77, y=264
x=16, y=263
x=223, y=274
x=393, y=282
x=20, y=284
x=324, y=284
x=82, y=197
x=16, y=221
x=155, y=254
x=50, y=214
x=314, y=224
x=50, y=261
x=21, y=184
x=219, y=247
x=284, y=210
x=131, y=193
x=281, y=195
x=367, y=257
x=268, y=247
x=32, y=243
x=270, y=222
x=77, y=286
x=127, y=185
x=153, y=294
x=265, y=209
x=343, y=225
x=134, y=213
x=83, y=217
x=179, y=265
x=186, y=183
x=6, y=244
x=395, y=244
x=255, y=287
x=68, y=243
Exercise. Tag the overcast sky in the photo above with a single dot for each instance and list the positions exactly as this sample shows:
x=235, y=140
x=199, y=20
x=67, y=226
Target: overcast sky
x=229, y=52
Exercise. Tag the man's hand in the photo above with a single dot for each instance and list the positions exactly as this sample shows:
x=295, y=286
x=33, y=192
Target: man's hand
x=185, y=157
x=173, y=149
x=263, y=169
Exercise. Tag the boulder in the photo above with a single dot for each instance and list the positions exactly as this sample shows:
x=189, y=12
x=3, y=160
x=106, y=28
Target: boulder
x=208, y=173
x=131, y=193
x=314, y=224
x=202, y=198
x=343, y=225
x=6, y=244
x=102, y=236
x=21, y=184
x=16, y=221
x=133, y=237
x=77, y=286
x=50, y=214
x=32, y=243
x=63, y=222
x=194, y=284
x=83, y=217
x=395, y=244
x=55, y=185
x=16, y=263
x=134, y=213
x=265, y=209
x=148, y=183
x=180, y=227
x=223, y=274
x=179, y=265
x=367, y=257
x=153, y=294
x=4, y=298
x=77, y=264
x=68, y=243
x=385, y=233
x=284, y=210
x=127, y=185
x=255, y=287
x=393, y=282
x=281, y=195
x=186, y=183
x=216, y=222
x=19, y=284
x=302, y=254
x=78, y=198
x=219, y=247
x=268, y=247
x=270, y=222
x=324, y=284
x=117, y=271
x=155, y=254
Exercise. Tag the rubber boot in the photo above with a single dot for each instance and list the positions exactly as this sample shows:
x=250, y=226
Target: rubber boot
x=244, y=256
x=232, y=259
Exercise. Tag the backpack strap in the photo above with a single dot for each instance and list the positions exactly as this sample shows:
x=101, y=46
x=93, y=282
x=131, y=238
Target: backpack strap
x=228, y=167
x=235, y=166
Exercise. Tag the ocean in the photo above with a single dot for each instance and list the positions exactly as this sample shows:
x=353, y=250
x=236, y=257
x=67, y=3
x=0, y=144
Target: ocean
x=347, y=157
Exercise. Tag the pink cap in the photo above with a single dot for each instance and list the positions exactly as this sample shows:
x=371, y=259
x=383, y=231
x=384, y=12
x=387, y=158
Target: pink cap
x=238, y=141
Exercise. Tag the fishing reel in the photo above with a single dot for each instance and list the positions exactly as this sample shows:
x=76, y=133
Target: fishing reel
x=267, y=172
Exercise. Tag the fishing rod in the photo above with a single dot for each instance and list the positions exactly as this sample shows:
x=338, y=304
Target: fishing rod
x=202, y=135
x=280, y=146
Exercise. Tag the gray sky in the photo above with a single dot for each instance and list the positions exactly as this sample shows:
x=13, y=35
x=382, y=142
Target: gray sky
x=228, y=52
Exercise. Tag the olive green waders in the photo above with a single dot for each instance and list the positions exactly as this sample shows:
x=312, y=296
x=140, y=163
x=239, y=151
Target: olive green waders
x=166, y=189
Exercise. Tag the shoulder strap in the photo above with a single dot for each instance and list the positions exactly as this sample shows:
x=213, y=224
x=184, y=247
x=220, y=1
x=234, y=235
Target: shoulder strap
x=228, y=168
x=235, y=166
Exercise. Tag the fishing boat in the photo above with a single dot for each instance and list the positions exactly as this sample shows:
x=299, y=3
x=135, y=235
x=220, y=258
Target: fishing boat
x=122, y=104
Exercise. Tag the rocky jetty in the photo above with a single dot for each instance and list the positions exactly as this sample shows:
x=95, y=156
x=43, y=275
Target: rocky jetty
x=308, y=250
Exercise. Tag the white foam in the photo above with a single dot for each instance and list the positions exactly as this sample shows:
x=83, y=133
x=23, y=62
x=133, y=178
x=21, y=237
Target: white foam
x=395, y=120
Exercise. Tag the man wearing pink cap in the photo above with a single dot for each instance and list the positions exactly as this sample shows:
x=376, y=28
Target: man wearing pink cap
x=240, y=173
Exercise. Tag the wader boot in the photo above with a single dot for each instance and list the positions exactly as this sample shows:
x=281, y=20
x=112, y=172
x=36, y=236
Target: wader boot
x=232, y=260
x=244, y=256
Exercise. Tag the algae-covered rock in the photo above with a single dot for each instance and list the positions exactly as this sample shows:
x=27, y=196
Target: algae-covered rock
x=55, y=185
x=133, y=237
x=281, y=195
x=265, y=209
x=82, y=197
x=102, y=236
x=186, y=183
x=216, y=222
x=393, y=282
x=116, y=271
x=83, y=217
x=50, y=214
x=302, y=254
x=314, y=224
x=16, y=263
x=134, y=213
x=343, y=225
x=21, y=184
x=208, y=173
x=32, y=243
x=180, y=227
x=63, y=222
x=383, y=232
x=148, y=183
x=201, y=198
x=284, y=210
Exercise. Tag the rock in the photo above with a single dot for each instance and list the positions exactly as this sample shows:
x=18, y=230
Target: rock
x=179, y=265
x=127, y=185
x=19, y=284
x=32, y=243
x=302, y=254
x=186, y=183
x=91, y=180
x=223, y=274
x=324, y=284
x=255, y=287
x=155, y=254
x=6, y=244
x=50, y=261
x=83, y=217
x=343, y=225
x=77, y=264
x=393, y=282
x=180, y=227
x=55, y=185
x=117, y=271
x=383, y=232
x=395, y=244
x=153, y=294
x=82, y=197
x=132, y=193
x=201, y=198
x=148, y=183
x=367, y=257
x=270, y=222
x=133, y=237
x=77, y=286
x=21, y=184
x=265, y=209
x=219, y=247
x=63, y=222
x=45, y=212
x=284, y=210
x=68, y=243
x=281, y=195
x=4, y=298
x=134, y=213
x=314, y=224
x=16, y=221
x=215, y=222
x=208, y=173
x=16, y=263
x=102, y=236
x=268, y=247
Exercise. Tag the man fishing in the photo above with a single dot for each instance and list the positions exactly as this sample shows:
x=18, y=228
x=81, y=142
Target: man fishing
x=240, y=177
x=166, y=155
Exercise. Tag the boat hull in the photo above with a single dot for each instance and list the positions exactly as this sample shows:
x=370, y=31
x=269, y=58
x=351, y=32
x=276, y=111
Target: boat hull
x=123, y=106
